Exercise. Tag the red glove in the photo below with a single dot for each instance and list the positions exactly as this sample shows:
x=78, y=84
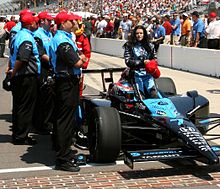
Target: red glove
x=152, y=68
x=85, y=64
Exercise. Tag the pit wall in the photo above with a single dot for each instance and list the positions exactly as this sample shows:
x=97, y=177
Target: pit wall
x=196, y=60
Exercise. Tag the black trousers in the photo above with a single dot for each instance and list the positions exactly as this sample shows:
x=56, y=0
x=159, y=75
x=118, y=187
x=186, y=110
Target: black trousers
x=213, y=43
x=66, y=102
x=46, y=98
x=24, y=91
x=45, y=104
x=202, y=42
x=157, y=45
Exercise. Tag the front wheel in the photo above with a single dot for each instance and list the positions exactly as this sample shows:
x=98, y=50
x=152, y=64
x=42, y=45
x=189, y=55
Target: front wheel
x=104, y=132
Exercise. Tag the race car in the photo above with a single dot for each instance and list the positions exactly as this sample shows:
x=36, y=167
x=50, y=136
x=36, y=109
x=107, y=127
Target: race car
x=121, y=121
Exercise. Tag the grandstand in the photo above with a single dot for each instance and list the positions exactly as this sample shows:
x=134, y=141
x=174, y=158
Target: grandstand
x=9, y=7
x=14, y=6
x=103, y=7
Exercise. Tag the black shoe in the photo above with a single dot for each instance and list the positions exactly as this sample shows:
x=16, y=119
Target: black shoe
x=27, y=141
x=68, y=166
x=81, y=141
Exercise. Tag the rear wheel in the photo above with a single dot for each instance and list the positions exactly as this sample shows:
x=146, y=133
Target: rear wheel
x=104, y=135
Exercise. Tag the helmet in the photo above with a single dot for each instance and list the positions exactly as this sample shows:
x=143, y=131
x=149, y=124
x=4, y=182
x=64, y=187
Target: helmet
x=152, y=68
x=122, y=88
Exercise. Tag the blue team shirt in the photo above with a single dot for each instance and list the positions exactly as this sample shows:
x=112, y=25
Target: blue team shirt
x=62, y=37
x=45, y=36
x=22, y=36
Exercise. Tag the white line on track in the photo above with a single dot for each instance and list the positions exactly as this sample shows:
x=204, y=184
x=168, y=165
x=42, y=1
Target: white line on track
x=14, y=170
x=45, y=168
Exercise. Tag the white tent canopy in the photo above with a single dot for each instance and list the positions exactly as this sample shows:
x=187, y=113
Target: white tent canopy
x=85, y=14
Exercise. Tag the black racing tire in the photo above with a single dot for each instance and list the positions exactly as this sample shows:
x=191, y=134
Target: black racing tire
x=104, y=133
x=166, y=85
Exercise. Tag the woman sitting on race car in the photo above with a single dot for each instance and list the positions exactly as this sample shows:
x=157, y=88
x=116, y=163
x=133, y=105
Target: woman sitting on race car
x=139, y=57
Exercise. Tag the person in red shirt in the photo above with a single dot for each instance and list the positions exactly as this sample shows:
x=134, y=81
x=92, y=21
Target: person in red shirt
x=93, y=20
x=84, y=47
x=83, y=44
x=168, y=28
x=5, y=30
x=9, y=25
x=108, y=30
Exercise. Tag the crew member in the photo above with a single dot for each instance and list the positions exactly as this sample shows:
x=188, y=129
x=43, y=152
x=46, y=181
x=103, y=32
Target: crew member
x=45, y=105
x=67, y=64
x=14, y=30
x=25, y=65
x=17, y=27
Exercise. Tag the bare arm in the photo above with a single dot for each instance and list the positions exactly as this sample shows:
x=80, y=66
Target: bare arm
x=18, y=65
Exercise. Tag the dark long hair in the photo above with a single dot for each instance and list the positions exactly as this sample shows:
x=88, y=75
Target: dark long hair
x=132, y=41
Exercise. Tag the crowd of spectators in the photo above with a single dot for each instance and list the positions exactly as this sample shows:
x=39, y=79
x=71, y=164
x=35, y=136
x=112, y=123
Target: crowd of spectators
x=112, y=7
x=177, y=29
x=166, y=21
x=148, y=7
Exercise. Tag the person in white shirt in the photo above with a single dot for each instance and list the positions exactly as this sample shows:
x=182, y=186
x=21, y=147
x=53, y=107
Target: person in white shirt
x=125, y=27
x=100, y=27
x=213, y=32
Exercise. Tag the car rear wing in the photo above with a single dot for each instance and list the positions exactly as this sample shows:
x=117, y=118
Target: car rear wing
x=102, y=71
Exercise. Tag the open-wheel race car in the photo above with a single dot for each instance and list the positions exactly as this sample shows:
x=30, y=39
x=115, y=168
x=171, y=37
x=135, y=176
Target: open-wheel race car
x=120, y=121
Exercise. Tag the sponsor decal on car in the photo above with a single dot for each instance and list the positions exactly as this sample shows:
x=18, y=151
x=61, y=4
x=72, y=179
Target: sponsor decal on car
x=135, y=154
x=195, y=137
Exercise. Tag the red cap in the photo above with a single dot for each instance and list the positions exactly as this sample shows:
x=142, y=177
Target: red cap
x=212, y=15
x=45, y=15
x=29, y=19
x=64, y=16
x=152, y=68
x=26, y=11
